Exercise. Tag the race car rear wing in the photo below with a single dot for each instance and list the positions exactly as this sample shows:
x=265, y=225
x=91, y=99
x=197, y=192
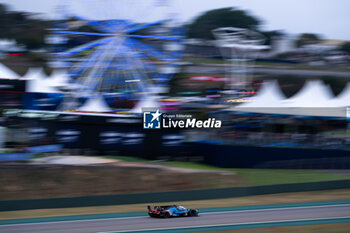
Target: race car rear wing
x=160, y=207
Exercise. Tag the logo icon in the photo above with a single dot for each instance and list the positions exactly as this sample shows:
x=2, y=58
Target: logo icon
x=151, y=120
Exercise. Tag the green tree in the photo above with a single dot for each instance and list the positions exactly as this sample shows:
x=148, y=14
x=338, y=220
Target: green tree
x=307, y=38
x=271, y=35
x=3, y=9
x=25, y=30
x=202, y=26
x=346, y=47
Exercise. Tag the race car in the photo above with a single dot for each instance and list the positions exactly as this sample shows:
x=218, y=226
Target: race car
x=171, y=211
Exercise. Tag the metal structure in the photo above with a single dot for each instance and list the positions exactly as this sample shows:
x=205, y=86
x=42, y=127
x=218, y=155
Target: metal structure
x=116, y=48
x=240, y=46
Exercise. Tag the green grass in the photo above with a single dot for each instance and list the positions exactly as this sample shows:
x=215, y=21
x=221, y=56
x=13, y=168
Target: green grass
x=267, y=176
x=269, y=199
x=38, y=156
x=340, y=134
x=319, y=228
x=285, y=176
x=255, y=177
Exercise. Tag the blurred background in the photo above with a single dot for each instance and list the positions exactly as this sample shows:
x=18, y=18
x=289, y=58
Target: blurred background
x=78, y=74
x=75, y=76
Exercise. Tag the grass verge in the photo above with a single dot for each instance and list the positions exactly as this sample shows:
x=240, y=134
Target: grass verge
x=315, y=196
x=254, y=177
x=321, y=228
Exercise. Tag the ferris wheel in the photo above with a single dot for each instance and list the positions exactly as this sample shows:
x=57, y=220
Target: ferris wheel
x=125, y=47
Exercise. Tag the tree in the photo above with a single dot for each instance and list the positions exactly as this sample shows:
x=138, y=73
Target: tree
x=202, y=26
x=25, y=30
x=271, y=35
x=307, y=38
x=346, y=47
x=3, y=9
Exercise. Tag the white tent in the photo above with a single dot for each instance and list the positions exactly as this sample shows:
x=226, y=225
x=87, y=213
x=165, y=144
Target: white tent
x=35, y=73
x=343, y=99
x=147, y=102
x=38, y=82
x=34, y=77
x=59, y=78
x=269, y=99
x=314, y=99
x=269, y=96
x=6, y=73
x=95, y=104
x=312, y=95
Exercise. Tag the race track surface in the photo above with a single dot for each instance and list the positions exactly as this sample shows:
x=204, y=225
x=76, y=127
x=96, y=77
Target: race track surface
x=145, y=223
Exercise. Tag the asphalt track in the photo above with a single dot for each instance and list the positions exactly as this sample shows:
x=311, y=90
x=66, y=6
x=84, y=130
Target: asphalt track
x=301, y=215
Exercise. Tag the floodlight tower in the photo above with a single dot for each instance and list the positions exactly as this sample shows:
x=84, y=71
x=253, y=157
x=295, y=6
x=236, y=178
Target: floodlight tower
x=240, y=46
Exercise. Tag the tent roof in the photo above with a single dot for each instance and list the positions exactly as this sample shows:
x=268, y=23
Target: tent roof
x=312, y=94
x=148, y=102
x=95, y=104
x=35, y=73
x=343, y=99
x=38, y=82
x=59, y=78
x=269, y=95
x=314, y=99
x=7, y=73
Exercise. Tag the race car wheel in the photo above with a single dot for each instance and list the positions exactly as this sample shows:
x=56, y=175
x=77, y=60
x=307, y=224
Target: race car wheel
x=193, y=213
x=166, y=215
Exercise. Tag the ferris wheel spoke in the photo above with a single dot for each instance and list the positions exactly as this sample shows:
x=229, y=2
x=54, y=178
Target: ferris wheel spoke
x=104, y=76
x=153, y=52
x=144, y=26
x=140, y=75
x=89, y=62
x=134, y=73
x=107, y=26
x=155, y=37
x=91, y=80
x=150, y=68
x=127, y=53
x=108, y=80
x=119, y=25
x=95, y=24
x=85, y=33
x=142, y=72
x=146, y=49
x=84, y=47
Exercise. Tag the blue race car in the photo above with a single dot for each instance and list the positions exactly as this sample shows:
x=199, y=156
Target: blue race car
x=171, y=211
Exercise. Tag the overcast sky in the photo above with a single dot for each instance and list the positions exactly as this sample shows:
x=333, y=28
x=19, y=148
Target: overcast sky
x=330, y=18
